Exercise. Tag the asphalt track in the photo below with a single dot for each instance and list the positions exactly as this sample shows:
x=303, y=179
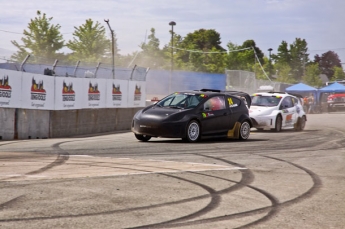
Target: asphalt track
x=272, y=180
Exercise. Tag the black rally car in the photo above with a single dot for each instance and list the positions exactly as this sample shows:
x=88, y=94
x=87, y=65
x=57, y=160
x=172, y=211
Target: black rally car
x=192, y=115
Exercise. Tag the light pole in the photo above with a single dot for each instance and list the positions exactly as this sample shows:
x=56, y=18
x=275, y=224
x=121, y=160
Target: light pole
x=112, y=47
x=269, y=62
x=172, y=23
x=304, y=59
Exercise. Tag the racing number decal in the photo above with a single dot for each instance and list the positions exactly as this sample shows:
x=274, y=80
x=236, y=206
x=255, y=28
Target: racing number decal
x=230, y=101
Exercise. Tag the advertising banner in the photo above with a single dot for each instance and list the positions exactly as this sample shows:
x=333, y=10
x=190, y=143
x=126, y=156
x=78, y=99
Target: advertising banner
x=10, y=88
x=117, y=93
x=94, y=93
x=37, y=91
x=68, y=93
x=136, y=94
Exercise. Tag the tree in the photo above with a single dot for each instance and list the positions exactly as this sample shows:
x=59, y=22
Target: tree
x=312, y=75
x=89, y=43
x=197, y=48
x=244, y=57
x=339, y=74
x=151, y=55
x=283, y=71
x=327, y=61
x=295, y=55
x=42, y=40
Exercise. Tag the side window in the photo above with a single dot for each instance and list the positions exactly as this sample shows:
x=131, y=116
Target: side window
x=214, y=103
x=233, y=102
x=287, y=103
x=294, y=101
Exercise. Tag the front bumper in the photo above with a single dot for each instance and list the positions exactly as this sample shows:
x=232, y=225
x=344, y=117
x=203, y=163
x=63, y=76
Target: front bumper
x=163, y=129
x=263, y=122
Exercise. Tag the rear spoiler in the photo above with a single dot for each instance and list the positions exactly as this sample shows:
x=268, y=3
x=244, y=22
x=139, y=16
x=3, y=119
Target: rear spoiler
x=241, y=95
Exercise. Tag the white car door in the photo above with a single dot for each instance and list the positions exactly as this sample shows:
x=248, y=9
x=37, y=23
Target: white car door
x=289, y=112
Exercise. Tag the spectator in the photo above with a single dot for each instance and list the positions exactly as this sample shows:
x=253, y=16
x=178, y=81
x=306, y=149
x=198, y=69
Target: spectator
x=310, y=103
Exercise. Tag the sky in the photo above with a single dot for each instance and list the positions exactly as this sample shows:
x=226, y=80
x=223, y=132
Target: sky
x=268, y=22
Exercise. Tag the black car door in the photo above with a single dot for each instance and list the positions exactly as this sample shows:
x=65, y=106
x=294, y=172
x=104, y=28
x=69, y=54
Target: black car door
x=236, y=107
x=215, y=116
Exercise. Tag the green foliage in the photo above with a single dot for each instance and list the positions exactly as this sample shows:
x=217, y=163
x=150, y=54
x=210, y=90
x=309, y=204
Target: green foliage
x=312, y=75
x=295, y=55
x=283, y=72
x=339, y=74
x=327, y=61
x=42, y=39
x=89, y=43
x=204, y=51
x=151, y=55
x=243, y=57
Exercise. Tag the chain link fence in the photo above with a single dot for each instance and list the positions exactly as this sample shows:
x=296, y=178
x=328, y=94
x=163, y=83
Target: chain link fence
x=238, y=80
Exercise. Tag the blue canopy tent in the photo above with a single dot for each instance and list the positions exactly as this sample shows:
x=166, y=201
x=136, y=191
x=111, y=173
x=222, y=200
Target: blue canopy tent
x=303, y=90
x=330, y=89
x=334, y=87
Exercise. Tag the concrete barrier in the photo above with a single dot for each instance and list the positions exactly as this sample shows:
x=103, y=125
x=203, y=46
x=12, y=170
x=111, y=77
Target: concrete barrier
x=7, y=123
x=18, y=123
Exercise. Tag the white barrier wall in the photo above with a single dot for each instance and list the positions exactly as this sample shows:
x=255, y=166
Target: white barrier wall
x=117, y=93
x=10, y=88
x=35, y=91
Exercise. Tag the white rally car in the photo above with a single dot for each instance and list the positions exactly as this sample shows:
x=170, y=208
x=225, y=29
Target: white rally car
x=277, y=111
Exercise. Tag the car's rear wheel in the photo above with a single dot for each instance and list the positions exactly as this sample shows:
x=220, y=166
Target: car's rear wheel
x=244, y=130
x=193, y=131
x=143, y=138
x=279, y=123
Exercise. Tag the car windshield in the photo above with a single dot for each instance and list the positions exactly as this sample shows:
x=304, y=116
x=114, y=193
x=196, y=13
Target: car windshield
x=268, y=101
x=181, y=100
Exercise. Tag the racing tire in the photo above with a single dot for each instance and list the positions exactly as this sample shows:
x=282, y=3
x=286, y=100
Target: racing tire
x=301, y=124
x=244, y=130
x=143, y=138
x=193, y=131
x=279, y=122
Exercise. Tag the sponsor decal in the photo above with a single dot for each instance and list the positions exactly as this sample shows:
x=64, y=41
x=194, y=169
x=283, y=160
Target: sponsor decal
x=289, y=118
x=285, y=111
x=37, y=90
x=5, y=88
x=117, y=94
x=205, y=115
x=94, y=94
x=68, y=93
x=137, y=93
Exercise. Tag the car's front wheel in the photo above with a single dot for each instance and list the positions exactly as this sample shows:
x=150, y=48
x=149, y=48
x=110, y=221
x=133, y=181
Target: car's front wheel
x=193, y=131
x=143, y=138
x=244, y=130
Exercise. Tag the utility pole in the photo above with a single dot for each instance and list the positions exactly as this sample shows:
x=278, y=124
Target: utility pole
x=112, y=47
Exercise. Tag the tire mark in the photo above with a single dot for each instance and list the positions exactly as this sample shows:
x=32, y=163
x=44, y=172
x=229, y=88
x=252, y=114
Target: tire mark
x=214, y=202
x=10, y=202
x=61, y=158
x=273, y=210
